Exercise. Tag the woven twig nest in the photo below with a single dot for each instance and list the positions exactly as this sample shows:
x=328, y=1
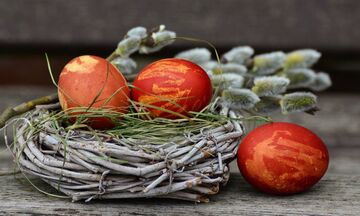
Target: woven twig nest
x=86, y=166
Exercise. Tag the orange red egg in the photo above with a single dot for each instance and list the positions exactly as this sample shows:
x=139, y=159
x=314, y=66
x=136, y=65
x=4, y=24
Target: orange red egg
x=282, y=158
x=92, y=82
x=175, y=85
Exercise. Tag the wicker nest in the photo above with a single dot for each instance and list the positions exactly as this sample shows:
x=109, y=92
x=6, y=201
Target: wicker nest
x=86, y=167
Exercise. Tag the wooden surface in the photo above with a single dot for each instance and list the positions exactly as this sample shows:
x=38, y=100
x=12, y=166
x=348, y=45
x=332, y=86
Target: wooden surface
x=67, y=28
x=329, y=24
x=338, y=193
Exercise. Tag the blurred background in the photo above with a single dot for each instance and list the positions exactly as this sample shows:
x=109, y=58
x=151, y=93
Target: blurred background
x=67, y=28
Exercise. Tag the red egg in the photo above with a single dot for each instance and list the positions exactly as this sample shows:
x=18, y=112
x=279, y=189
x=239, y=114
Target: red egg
x=172, y=84
x=86, y=79
x=282, y=158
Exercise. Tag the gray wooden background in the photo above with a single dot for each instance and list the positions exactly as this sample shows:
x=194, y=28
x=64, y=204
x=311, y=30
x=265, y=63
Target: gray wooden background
x=272, y=24
x=66, y=28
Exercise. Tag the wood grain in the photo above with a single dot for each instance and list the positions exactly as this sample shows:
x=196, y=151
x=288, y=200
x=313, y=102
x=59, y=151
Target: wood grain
x=334, y=195
x=275, y=24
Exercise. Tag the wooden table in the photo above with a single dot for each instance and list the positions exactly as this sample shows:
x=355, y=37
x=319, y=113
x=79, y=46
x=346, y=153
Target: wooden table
x=338, y=193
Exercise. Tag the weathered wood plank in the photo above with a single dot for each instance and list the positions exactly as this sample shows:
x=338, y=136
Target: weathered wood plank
x=276, y=24
x=334, y=195
x=338, y=193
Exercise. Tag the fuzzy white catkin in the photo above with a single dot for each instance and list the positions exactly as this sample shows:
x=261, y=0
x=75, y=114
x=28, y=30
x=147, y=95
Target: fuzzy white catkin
x=239, y=54
x=300, y=77
x=161, y=39
x=162, y=27
x=303, y=58
x=125, y=65
x=240, y=98
x=209, y=66
x=268, y=63
x=128, y=46
x=267, y=105
x=230, y=68
x=138, y=32
x=322, y=81
x=270, y=85
x=196, y=55
x=297, y=102
x=229, y=80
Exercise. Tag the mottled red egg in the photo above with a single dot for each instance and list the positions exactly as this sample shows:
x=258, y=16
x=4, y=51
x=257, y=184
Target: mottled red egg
x=91, y=81
x=282, y=158
x=172, y=84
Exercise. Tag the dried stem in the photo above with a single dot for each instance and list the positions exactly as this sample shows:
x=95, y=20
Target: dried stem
x=25, y=107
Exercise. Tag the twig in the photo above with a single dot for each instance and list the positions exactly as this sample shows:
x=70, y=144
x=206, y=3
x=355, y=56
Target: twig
x=6, y=173
x=25, y=107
